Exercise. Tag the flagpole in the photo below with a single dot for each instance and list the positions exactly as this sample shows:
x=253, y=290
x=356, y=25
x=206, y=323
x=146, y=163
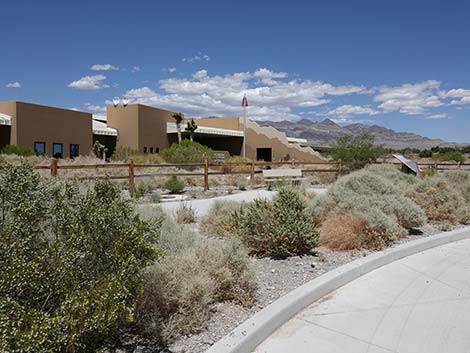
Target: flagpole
x=244, y=132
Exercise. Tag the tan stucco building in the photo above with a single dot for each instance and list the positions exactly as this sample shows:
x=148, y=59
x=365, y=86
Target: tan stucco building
x=66, y=133
x=150, y=129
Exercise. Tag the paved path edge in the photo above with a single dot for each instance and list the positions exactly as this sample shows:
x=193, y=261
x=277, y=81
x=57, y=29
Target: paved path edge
x=247, y=336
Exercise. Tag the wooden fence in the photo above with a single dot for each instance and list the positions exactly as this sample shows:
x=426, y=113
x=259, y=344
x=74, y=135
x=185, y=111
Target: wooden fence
x=250, y=168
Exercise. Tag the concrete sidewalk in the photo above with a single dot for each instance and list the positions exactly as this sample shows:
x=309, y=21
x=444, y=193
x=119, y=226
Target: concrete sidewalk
x=418, y=304
x=201, y=207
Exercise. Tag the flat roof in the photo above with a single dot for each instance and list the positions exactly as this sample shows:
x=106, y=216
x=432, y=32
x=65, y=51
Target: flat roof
x=100, y=128
x=171, y=129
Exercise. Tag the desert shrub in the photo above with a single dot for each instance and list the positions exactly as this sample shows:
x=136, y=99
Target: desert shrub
x=425, y=154
x=278, y=228
x=441, y=202
x=242, y=184
x=142, y=188
x=174, y=185
x=71, y=261
x=229, y=165
x=18, y=150
x=373, y=197
x=459, y=180
x=126, y=153
x=187, y=152
x=218, y=222
x=154, y=197
x=194, y=273
x=356, y=149
x=451, y=156
x=185, y=214
x=348, y=232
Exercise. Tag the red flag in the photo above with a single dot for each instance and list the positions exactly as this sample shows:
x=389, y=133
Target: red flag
x=244, y=102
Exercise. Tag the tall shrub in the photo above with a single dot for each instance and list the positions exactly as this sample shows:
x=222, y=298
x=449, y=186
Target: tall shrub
x=187, y=152
x=279, y=228
x=70, y=261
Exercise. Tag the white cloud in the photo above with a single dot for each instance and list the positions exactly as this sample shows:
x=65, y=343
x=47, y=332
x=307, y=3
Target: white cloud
x=463, y=96
x=198, y=57
x=345, y=111
x=268, y=77
x=104, y=67
x=95, y=108
x=89, y=83
x=171, y=69
x=437, y=116
x=15, y=84
x=204, y=95
x=135, y=69
x=411, y=99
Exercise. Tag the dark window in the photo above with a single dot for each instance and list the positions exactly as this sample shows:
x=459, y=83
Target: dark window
x=58, y=150
x=151, y=149
x=264, y=154
x=145, y=149
x=74, y=150
x=40, y=148
x=156, y=149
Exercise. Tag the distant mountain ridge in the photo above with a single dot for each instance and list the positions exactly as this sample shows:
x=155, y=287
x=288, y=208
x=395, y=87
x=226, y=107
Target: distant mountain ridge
x=326, y=132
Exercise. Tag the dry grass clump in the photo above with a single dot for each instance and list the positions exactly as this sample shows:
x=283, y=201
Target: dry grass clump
x=193, y=273
x=219, y=220
x=185, y=214
x=371, y=197
x=349, y=231
x=442, y=202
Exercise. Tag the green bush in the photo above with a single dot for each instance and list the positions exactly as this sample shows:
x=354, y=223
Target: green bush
x=194, y=273
x=18, y=150
x=451, y=156
x=174, y=185
x=279, y=228
x=356, y=149
x=70, y=260
x=187, y=152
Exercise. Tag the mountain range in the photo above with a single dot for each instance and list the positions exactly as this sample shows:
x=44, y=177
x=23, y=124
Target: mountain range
x=326, y=132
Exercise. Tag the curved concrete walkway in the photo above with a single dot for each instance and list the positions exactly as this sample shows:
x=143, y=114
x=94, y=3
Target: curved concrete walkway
x=201, y=207
x=418, y=304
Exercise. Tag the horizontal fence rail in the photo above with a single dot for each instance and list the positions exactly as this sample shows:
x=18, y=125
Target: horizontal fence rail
x=247, y=168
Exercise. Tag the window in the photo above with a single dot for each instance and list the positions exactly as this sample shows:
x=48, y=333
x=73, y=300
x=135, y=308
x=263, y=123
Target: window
x=40, y=148
x=58, y=150
x=145, y=149
x=74, y=150
x=156, y=149
x=151, y=149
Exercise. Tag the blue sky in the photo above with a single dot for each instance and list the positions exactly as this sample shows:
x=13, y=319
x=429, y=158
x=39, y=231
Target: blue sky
x=400, y=64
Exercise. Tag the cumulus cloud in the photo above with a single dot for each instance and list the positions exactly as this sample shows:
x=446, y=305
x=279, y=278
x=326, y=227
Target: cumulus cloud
x=15, y=84
x=203, y=95
x=104, y=67
x=89, y=83
x=95, y=108
x=346, y=111
x=461, y=96
x=412, y=99
x=135, y=69
x=198, y=57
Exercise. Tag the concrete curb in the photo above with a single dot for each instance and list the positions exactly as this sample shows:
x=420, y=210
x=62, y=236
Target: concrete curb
x=246, y=337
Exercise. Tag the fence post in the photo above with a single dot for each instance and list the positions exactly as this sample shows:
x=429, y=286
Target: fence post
x=131, y=177
x=54, y=163
x=340, y=168
x=206, y=174
x=252, y=173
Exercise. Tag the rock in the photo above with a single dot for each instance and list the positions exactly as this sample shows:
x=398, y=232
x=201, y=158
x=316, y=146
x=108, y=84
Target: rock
x=313, y=265
x=139, y=349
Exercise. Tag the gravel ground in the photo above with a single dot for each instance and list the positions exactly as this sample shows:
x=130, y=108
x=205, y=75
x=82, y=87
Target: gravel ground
x=274, y=279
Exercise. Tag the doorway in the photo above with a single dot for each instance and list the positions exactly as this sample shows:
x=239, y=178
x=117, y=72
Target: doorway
x=264, y=154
